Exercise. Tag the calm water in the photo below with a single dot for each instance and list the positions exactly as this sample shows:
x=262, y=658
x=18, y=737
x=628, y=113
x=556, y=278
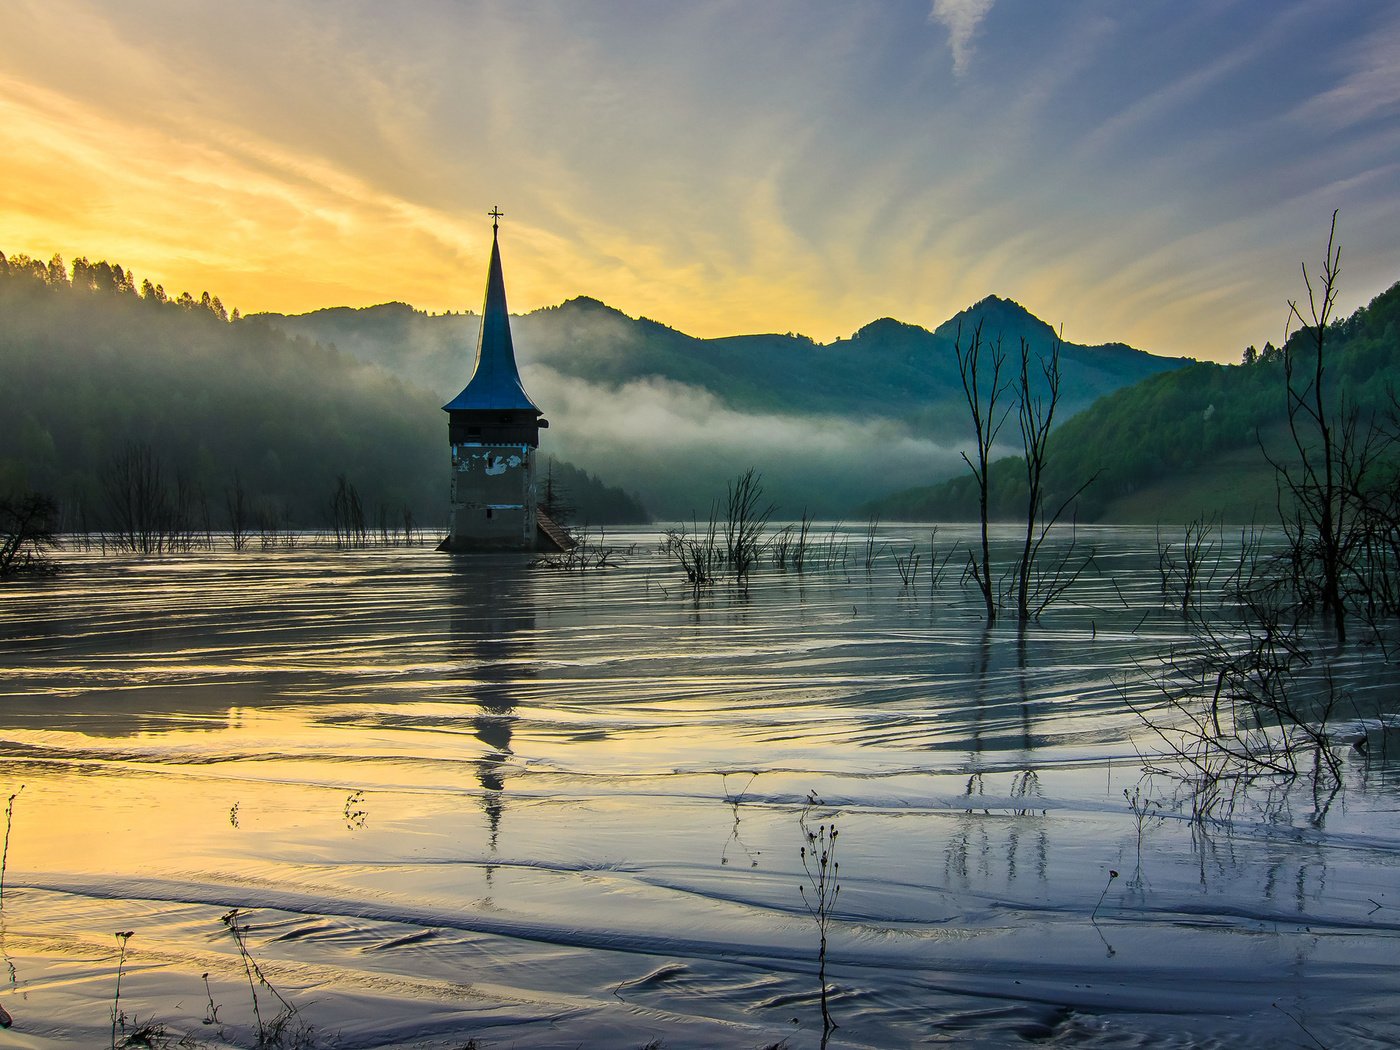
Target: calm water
x=460, y=798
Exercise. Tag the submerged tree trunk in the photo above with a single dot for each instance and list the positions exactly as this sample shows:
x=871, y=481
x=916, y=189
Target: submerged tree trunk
x=1037, y=414
x=1321, y=502
x=982, y=405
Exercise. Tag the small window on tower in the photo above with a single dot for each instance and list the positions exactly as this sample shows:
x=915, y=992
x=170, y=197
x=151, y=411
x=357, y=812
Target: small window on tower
x=489, y=513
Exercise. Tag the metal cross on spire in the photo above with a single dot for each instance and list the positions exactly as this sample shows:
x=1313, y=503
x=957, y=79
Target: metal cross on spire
x=496, y=215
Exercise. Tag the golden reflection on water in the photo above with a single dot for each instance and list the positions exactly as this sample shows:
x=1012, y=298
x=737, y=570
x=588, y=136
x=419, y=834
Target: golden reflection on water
x=524, y=773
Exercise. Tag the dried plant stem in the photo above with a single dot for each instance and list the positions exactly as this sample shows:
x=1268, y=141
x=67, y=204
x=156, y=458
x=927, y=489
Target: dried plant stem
x=122, y=937
x=823, y=880
x=1111, y=876
x=5, y=853
x=211, y=1016
x=256, y=977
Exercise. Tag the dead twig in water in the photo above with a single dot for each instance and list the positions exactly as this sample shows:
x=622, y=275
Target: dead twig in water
x=122, y=937
x=823, y=879
x=1111, y=876
x=272, y=1031
x=5, y=853
x=1302, y=1027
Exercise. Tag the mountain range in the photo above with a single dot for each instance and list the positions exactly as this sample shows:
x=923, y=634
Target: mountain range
x=287, y=404
x=672, y=416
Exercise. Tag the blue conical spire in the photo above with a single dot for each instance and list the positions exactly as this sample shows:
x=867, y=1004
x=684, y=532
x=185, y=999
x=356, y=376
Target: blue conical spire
x=495, y=381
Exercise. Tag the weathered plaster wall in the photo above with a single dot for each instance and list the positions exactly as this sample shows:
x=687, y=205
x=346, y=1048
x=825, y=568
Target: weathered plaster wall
x=492, y=496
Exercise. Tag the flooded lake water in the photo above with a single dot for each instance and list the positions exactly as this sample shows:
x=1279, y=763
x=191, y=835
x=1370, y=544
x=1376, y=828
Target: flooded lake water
x=458, y=798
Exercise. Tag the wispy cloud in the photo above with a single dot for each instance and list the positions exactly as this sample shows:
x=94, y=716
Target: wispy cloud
x=1369, y=87
x=719, y=166
x=960, y=18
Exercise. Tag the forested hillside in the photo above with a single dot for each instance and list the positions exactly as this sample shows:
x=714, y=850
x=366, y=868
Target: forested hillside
x=1190, y=441
x=91, y=366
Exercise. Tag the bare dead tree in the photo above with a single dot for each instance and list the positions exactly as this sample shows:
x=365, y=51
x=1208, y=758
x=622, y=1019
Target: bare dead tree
x=983, y=394
x=138, y=501
x=348, y=515
x=1244, y=704
x=1036, y=414
x=1257, y=702
x=267, y=520
x=1184, y=575
x=28, y=531
x=239, y=516
x=182, y=524
x=1321, y=507
x=1037, y=587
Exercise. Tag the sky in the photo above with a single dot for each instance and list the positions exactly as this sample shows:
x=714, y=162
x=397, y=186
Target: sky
x=1132, y=170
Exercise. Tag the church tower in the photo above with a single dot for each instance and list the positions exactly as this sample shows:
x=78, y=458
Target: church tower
x=494, y=429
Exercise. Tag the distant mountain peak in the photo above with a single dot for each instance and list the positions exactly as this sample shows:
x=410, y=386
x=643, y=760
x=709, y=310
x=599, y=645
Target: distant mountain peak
x=996, y=300
x=587, y=304
x=885, y=328
x=998, y=316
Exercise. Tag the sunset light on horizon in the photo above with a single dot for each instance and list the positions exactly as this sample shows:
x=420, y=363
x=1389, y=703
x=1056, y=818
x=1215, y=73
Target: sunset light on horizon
x=1147, y=173
x=704, y=524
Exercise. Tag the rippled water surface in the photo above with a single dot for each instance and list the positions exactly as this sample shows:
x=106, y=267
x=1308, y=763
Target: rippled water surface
x=460, y=798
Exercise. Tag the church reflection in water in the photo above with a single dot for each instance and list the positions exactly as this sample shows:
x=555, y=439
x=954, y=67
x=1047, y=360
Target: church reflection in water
x=492, y=638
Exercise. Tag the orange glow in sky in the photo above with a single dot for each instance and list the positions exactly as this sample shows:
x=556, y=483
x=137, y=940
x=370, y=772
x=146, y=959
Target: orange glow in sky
x=777, y=167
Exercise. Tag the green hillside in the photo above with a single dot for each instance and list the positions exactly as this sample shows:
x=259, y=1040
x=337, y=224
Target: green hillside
x=1189, y=441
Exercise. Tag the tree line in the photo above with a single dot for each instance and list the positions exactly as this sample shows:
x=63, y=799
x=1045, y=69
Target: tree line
x=107, y=277
x=94, y=367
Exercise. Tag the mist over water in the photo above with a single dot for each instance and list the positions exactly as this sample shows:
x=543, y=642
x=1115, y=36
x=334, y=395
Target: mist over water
x=460, y=797
x=643, y=429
